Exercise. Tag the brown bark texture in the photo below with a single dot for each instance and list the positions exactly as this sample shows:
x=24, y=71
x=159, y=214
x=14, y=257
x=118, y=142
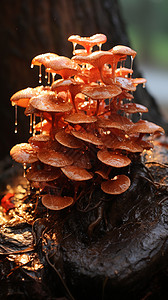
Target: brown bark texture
x=29, y=28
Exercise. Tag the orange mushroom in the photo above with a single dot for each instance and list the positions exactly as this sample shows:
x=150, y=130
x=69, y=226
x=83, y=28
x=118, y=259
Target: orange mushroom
x=132, y=108
x=68, y=140
x=88, y=137
x=113, y=159
x=24, y=153
x=76, y=173
x=56, y=202
x=79, y=118
x=43, y=175
x=143, y=126
x=54, y=158
x=22, y=97
x=39, y=140
x=88, y=42
x=118, y=185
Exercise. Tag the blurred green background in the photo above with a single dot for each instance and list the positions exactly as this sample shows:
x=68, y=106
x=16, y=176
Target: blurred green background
x=147, y=27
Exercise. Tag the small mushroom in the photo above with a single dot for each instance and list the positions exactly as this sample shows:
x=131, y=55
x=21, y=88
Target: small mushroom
x=68, y=140
x=39, y=140
x=115, y=121
x=143, y=126
x=88, y=42
x=113, y=159
x=41, y=59
x=22, y=97
x=123, y=50
x=88, y=137
x=24, y=153
x=76, y=173
x=54, y=158
x=43, y=175
x=56, y=202
x=132, y=108
x=63, y=66
x=118, y=185
x=100, y=92
x=123, y=72
x=125, y=83
x=127, y=144
x=79, y=118
x=48, y=102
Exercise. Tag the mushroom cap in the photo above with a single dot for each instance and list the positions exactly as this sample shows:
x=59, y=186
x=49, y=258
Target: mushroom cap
x=96, y=58
x=123, y=50
x=88, y=137
x=24, y=153
x=132, y=108
x=56, y=202
x=43, y=175
x=100, y=92
x=130, y=145
x=45, y=125
x=113, y=159
x=68, y=140
x=118, y=185
x=115, y=121
x=79, y=118
x=63, y=65
x=143, y=126
x=39, y=140
x=43, y=58
x=137, y=81
x=123, y=71
x=125, y=83
x=76, y=173
x=54, y=158
x=49, y=103
x=95, y=39
x=22, y=97
x=102, y=173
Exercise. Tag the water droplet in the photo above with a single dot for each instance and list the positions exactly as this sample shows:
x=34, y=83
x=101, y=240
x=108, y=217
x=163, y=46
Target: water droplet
x=74, y=46
x=48, y=81
x=140, y=116
x=16, y=119
x=34, y=124
x=40, y=75
x=31, y=124
x=100, y=46
x=132, y=59
x=144, y=85
x=32, y=66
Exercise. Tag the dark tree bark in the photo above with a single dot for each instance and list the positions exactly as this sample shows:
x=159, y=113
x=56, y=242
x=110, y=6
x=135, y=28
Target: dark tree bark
x=32, y=27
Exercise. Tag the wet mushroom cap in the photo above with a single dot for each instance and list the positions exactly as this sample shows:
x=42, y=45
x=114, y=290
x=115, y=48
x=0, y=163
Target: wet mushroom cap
x=22, y=97
x=88, y=137
x=113, y=159
x=115, y=121
x=43, y=175
x=48, y=102
x=96, y=58
x=54, y=158
x=68, y=140
x=38, y=140
x=143, y=126
x=63, y=65
x=79, y=118
x=125, y=83
x=24, y=153
x=95, y=39
x=118, y=185
x=123, y=50
x=43, y=58
x=132, y=108
x=76, y=173
x=100, y=92
x=56, y=202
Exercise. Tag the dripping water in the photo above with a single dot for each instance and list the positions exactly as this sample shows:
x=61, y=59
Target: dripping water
x=144, y=85
x=131, y=67
x=32, y=66
x=34, y=124
x=100, y=46
x=16, y=119
x=41, y=120
x=48, y=80
x=140, y=116
x=40, y=74
x=31, y=124
x=24, y=168
x=74, y=46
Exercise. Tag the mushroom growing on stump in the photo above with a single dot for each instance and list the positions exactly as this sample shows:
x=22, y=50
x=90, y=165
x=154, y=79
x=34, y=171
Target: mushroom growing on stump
x=87, y=140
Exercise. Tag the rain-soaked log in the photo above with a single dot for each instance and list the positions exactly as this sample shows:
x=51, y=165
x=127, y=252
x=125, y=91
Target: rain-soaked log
x=29, y=28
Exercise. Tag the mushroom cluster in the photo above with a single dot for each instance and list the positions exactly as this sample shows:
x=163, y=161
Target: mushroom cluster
x=84, y=131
